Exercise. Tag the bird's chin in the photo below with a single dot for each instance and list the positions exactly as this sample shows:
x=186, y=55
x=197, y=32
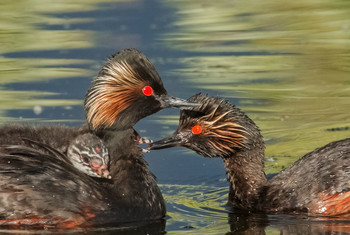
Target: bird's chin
x=205, y=152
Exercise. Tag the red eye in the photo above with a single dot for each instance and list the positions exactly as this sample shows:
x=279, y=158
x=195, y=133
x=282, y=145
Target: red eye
x=197, y=129
x=147, y=90
x=98, y=149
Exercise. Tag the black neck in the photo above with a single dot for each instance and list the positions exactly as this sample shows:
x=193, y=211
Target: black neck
x=133, y=186
x=120, y=144
x=245, y=172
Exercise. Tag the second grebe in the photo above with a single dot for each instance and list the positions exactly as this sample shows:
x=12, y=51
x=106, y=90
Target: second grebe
x=317, y=184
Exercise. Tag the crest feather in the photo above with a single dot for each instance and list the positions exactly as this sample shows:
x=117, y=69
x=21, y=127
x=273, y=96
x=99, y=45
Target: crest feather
x=114, y=90
x=219, y=124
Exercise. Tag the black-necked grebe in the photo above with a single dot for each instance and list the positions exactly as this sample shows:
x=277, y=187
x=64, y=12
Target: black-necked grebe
x=38, y=190
x=317, y=184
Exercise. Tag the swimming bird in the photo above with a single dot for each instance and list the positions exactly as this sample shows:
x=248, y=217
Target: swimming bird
x=317, y=184
x=44, y=191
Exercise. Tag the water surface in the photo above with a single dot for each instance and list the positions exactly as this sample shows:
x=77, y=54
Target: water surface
x=286, y=64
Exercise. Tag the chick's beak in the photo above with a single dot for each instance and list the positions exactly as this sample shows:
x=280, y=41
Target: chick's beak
x=169, y=101
x=101, y=170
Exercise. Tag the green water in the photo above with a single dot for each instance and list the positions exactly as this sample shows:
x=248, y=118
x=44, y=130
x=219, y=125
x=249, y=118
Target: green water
x=285, y=63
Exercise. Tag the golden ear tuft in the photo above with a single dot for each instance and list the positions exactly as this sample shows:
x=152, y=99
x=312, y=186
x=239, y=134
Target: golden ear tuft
x=114, y=90
x=223, y=134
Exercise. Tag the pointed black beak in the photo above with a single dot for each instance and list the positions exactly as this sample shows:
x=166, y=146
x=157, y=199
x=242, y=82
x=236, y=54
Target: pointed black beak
x=168, y=142
x=169, y=101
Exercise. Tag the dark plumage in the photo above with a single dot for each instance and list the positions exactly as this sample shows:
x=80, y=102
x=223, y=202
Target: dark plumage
x=127, y=89
x=86, y=153
x=317, y=184
x=46, y=195
x=58, y=137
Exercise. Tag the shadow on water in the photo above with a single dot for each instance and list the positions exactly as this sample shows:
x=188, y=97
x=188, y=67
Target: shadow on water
x=245, y=223
x=286, y=64
x=157, y=227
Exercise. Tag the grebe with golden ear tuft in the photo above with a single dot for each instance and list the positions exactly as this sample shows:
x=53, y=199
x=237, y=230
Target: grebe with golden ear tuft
x=41, y=190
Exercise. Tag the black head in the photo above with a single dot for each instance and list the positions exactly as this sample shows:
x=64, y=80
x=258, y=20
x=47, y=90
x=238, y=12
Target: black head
x=126, y=89
x=215, y=129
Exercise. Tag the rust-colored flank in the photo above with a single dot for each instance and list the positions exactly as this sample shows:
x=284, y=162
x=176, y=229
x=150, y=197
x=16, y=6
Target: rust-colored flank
x=332, y=205
x=56, y=222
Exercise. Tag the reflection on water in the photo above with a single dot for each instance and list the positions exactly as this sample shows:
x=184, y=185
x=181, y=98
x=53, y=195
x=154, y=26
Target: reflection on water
x=25, y=23
x=286, y=64
x=23, y=31
x=191, y=207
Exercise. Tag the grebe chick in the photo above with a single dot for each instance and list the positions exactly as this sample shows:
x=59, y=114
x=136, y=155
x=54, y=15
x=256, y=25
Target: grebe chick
x=316, y=184
x=89, y=155
x=86, y=153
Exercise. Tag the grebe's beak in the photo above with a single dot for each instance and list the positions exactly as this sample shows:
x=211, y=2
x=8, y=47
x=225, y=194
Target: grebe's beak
x=168, y=142
x=169, y=101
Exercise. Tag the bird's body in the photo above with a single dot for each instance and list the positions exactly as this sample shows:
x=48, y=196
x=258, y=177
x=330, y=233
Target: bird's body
x=59, y=195
x=45, y=196
x=42, y=190
x=317, y=184
x=58, y=137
